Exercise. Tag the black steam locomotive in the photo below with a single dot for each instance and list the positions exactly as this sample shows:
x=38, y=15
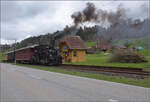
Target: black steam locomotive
x=44, y=54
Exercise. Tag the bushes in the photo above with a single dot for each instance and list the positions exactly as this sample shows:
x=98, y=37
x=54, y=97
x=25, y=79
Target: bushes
x=127, y=56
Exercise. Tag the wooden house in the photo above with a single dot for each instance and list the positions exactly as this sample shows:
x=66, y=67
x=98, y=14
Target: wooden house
x=72, y=49
x=119, y=46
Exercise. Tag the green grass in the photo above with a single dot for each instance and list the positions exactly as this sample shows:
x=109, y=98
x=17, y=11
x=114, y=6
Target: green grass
x=90, y=43
x=146, y=53
x=102, y=60
x=131, y=81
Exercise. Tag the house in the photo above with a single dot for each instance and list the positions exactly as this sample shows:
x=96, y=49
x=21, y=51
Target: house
x=90, y=50
x=120, y=46
x=72, y=49
x=103, y=46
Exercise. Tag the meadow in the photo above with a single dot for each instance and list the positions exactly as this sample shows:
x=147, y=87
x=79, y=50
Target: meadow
x=102, y=59
x=90, y=43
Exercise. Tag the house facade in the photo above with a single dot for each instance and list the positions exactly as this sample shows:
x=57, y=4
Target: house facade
x=72, y=49
x=102, y=46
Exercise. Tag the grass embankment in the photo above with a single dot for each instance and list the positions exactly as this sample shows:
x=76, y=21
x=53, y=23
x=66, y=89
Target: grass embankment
x=0, y=56
x=130, y=81
x=102, y=60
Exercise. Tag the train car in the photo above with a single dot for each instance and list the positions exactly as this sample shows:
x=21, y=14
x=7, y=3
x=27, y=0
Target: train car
x=25, y=55
x=38, y=54
x=5, y=57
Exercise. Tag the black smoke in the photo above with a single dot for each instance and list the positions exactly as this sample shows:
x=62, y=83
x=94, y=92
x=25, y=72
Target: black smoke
x=92, y=14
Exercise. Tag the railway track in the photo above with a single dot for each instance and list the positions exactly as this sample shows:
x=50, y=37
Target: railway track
x=121, y=71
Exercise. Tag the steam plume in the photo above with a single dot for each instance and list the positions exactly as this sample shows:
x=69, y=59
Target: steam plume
x=92, y=14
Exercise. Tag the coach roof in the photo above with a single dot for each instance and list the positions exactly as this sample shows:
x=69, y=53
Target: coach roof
x=32, y=46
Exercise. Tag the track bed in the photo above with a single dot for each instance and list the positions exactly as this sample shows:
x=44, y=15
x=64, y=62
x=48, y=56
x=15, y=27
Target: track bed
x=117, y=71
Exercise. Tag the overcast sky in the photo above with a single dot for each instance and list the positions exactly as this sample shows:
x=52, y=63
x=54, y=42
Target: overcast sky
x=22, y=19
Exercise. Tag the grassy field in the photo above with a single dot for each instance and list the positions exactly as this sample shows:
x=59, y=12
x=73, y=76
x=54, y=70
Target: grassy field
x=130, y=81
x=90, y=43
x=102, y=60
x=146, y=53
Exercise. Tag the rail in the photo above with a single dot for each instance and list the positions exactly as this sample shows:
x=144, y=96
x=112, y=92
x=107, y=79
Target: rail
x=98, y=69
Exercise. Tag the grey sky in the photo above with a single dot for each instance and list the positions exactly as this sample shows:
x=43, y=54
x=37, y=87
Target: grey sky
x=21, y=19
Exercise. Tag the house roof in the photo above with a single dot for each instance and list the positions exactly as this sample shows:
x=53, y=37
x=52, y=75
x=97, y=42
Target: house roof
x=74, y=42
x=121, y=46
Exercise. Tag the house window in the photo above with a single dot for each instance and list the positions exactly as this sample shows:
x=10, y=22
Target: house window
x=74, y=53
x=65, y=47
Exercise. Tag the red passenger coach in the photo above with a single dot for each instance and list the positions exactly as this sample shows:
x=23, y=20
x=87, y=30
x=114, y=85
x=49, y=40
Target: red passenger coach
x=25, y=54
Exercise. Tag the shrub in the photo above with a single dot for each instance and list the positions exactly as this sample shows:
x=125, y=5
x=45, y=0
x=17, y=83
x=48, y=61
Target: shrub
x=127, y=56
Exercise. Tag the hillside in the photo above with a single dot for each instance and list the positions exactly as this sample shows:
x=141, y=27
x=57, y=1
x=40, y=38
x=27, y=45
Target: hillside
x=142, y=41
